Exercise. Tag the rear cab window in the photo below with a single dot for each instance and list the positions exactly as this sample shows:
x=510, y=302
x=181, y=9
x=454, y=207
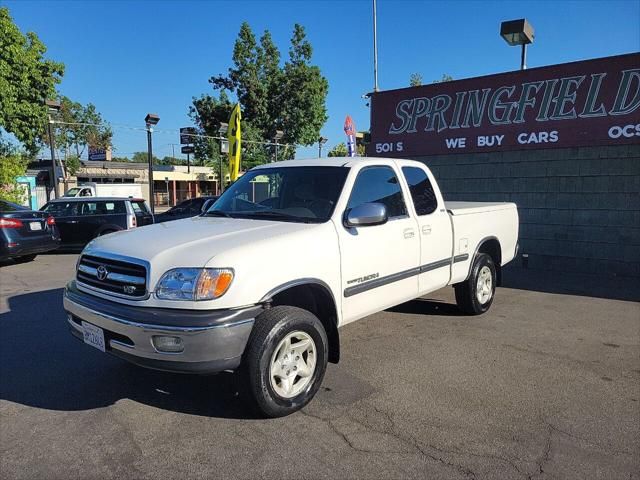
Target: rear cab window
x=422, y=193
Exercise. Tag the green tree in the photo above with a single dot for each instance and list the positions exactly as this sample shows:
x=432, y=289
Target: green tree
x=143, y=157
x=26, y=79
x=81, y=126
x=207, y=113
x=72, y=164
x=12, y=165
x=303, y=93
x=291, y=98
x=445, y=78
x=415, y=80
x=340, y=150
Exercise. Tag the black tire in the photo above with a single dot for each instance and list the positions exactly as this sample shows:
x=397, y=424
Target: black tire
x=467, y=292
x=25, y=258
x=105, y=232
x=270, y=328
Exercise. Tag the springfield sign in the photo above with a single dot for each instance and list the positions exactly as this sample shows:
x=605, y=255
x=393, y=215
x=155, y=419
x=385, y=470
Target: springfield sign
x=595, y=102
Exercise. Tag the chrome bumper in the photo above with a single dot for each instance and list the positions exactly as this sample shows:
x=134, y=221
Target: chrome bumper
x=207, y=348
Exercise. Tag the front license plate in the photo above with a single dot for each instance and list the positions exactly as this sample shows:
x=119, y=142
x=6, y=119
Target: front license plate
x=35, y=226
x=93, y=335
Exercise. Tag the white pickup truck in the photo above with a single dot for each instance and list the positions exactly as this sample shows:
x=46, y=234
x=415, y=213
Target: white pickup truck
x=292, y=251
x=92, y=189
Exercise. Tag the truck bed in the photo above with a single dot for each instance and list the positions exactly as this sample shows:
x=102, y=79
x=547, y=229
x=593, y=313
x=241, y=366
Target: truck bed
x=465, y=208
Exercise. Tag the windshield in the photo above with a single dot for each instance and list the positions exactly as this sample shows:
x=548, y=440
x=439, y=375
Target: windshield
x=72, y=192
x=296, y=194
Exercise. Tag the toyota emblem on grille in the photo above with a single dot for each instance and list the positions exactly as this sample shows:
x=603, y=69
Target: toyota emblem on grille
x=102, y=272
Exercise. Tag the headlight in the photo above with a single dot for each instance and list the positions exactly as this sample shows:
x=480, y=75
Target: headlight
x=194, y=283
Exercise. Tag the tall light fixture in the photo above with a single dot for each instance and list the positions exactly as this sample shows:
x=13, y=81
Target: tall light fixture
x=277, y=137
x=53, y=107
x=224, y=148
x=150, y=120
x=375, y=47
x=518, y=32
x=321, y=142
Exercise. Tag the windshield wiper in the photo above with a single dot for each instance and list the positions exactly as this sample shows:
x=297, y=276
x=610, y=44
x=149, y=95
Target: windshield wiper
x=216, y=213
x=278, y=215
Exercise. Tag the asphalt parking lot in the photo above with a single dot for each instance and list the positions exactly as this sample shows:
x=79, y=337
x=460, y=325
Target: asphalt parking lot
x=546, y=385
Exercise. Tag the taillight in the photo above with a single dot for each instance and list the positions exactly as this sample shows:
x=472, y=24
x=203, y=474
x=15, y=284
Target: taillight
x=51, y=221
x=131, y=221
x=10, y=223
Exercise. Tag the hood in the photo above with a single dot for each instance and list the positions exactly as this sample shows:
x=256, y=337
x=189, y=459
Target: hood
x=190, y=242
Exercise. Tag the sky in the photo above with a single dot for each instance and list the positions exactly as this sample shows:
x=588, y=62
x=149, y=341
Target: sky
x=130, y=58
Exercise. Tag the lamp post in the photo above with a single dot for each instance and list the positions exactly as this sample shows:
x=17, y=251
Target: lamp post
x=518, y=32
x=53, y=107
x=150, y=120
x=224, y=148
x=278, y=136
x=321, y=142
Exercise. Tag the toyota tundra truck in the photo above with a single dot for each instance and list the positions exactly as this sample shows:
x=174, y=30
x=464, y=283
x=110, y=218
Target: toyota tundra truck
x=291, y=252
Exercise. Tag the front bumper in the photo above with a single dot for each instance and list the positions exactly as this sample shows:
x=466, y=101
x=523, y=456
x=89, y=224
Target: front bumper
x=213, y=340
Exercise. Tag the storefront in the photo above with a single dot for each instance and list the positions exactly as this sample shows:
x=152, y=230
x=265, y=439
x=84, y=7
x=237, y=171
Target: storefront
x=562, y=142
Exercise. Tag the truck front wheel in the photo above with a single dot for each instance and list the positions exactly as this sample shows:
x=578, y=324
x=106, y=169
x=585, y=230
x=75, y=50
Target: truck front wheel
x=475, y=295
x=285, y=360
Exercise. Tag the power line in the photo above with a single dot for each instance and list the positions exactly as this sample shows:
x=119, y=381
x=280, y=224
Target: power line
x=158, y=130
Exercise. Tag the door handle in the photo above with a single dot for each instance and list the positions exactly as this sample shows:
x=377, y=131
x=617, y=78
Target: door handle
x=408, y=233
x=73, y=221
x=426, y=229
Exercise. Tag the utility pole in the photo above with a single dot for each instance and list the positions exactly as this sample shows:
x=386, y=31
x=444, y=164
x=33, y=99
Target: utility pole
x=54, y=107
x=150, y=120
x=375, y=47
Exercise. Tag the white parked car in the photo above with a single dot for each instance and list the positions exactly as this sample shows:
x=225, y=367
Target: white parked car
x=290, y=252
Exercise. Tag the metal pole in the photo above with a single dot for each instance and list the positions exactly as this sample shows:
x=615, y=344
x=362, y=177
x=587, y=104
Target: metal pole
x=523, y=58
x=168, y=199
x=188, y=164
x=150, y=154
x=54, y=166
x=220, y=180
x=173, y=152
x=276, y=151
x=319, y=149
x=375, y=47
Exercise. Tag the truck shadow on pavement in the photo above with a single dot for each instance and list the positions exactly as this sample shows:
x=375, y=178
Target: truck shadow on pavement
x=427, y=306
x=43, y=366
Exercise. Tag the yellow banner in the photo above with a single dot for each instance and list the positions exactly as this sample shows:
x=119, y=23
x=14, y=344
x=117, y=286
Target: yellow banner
x=233, y=135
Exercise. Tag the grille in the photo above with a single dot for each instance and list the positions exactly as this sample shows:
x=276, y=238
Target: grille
x=113, y=276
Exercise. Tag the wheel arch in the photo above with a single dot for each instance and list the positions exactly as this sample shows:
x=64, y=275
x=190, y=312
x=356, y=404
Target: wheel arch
x=314, y=295
x=491, y=246
x=108, y=227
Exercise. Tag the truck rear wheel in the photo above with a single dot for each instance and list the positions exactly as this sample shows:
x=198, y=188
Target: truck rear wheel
x=285, y=360
x=475, y=295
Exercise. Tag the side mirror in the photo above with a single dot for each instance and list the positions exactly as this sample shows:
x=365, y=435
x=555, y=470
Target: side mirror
x=366, y=215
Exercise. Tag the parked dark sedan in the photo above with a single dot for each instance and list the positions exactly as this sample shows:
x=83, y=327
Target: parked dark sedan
x=186, y=209
x=25, y=233
x=81, y=219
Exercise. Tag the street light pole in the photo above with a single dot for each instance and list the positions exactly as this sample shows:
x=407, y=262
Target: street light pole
x=150, y=158
x=54, y=167
x=150, y=120
x=518, y=32
x=321, y=142
x=278, y=136
x=53, y=107
x=375, y=47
